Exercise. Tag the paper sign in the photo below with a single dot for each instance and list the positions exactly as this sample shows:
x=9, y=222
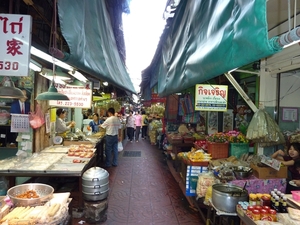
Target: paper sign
x=211, y=97
x=26, y=136
x=15, y=32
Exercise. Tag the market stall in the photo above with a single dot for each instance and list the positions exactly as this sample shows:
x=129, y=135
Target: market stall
x=66, y=162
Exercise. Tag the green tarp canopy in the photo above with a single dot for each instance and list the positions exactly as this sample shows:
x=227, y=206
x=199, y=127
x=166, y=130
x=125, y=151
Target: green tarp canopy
x=87, y=29
x=207, y=38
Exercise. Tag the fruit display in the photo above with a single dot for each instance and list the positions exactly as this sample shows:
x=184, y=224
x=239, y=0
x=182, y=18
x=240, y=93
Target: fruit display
x=194, y=155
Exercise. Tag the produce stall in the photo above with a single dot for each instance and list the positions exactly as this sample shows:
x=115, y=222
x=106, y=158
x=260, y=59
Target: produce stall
x=54, y=161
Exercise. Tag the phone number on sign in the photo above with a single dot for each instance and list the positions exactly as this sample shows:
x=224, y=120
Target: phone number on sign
x=68, y=103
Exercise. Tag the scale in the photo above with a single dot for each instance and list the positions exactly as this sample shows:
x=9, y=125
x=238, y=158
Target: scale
x=58, y=140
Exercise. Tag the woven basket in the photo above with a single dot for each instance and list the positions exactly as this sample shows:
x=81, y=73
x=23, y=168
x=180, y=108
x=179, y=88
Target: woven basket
x=218, y=150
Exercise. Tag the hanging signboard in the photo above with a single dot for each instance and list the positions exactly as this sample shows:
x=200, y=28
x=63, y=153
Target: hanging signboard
x=80, y=97
x=211, y=97
x=155, y=98
x=15, y=33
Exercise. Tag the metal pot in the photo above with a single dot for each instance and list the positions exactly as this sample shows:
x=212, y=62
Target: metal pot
x=95, y=188
x=95, y=176
x=95, y=196
x=225, y=197
x=95, y=184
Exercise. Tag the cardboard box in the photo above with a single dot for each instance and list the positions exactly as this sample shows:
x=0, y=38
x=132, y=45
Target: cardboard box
x=268, y=172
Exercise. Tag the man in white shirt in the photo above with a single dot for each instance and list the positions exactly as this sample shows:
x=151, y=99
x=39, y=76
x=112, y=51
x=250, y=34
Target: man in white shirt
x=113, y=134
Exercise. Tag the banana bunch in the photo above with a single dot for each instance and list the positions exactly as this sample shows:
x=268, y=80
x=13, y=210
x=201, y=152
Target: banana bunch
x=198, y=156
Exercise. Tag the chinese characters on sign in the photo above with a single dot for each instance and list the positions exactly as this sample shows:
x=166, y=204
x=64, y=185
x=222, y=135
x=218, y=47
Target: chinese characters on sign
x=15, y=44
x=211, y=97
x=79, y=97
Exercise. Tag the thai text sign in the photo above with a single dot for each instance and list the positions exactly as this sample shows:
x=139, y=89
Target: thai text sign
x=15, y=44
x=80, y=97
x=211, y=97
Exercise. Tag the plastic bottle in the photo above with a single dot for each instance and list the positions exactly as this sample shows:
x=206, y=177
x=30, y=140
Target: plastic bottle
x=273, y=201
x=276, y=205
x=284, y=205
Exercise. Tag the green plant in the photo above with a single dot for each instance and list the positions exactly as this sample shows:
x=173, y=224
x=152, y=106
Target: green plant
x=217, y=138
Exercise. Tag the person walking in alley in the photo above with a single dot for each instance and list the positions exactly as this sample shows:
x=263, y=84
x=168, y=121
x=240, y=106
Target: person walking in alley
x=138, y=124
x=113, y=135
x=130, y=120
x=145, y=122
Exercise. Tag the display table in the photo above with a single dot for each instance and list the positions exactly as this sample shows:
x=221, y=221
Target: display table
x=255, y=185
x=12, y=174
x=176, y=148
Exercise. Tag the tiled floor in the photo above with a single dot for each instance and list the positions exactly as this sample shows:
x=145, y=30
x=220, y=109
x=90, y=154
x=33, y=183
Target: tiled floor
x=143, y=191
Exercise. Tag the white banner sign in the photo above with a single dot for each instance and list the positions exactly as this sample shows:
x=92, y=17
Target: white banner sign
x=15, y=33
x=79, y=97
x=211, y=97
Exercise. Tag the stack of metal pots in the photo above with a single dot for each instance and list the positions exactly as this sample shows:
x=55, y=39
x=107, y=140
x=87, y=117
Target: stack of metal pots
x=95, y=187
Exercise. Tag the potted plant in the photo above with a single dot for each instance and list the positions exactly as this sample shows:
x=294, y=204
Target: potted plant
x=217, y=145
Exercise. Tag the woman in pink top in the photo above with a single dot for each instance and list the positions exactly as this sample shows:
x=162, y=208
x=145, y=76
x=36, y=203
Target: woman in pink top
x=138, y=124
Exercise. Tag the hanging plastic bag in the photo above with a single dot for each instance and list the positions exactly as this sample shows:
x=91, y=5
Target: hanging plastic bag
x=120, y=146
x=36, y=119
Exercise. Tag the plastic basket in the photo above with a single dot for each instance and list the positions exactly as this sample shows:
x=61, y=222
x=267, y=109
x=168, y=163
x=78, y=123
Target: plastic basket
x=296, y=195
x=238, y=149
x=218, y=150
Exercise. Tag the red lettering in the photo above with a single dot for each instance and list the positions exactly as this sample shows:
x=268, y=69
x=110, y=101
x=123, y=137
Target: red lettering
x=13, y=47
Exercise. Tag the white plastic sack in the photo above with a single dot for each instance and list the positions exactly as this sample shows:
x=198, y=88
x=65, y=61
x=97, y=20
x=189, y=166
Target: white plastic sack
x=120, y=146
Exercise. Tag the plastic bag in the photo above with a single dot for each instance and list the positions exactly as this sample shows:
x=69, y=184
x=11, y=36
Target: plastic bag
x=36, y=119
x=120, y=146
x=205, y=180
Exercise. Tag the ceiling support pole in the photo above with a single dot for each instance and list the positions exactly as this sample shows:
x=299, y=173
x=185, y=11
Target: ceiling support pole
x=240, y=90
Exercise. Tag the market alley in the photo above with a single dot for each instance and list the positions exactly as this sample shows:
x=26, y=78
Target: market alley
x=143, y=191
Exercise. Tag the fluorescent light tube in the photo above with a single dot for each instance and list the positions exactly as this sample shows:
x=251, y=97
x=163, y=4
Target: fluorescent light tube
x=35, y=67
x=49, y=58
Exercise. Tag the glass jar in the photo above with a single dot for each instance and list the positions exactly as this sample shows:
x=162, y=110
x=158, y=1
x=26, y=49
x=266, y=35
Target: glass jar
x=252, y=199
x=265, y=201
x=256, y=214
x=264, y=214
x=273, y=215
x=249, y=210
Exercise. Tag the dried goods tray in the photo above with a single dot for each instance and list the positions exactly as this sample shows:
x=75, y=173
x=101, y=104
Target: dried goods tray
x=66, y=167
x=56, y=149
x=73, y=159
x=32, y=167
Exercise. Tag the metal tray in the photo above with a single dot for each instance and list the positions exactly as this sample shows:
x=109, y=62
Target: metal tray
x=69, y=159
x=66, y=167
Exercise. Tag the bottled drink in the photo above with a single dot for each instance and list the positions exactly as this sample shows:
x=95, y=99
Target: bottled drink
x=273, y=201
x=276, y=204
x=284, y=205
